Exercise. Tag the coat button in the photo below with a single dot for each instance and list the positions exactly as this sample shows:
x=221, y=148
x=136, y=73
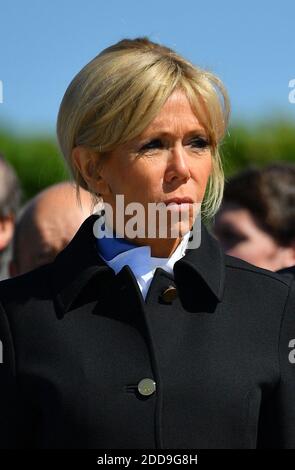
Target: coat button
x=146, y=387
x=169, y=294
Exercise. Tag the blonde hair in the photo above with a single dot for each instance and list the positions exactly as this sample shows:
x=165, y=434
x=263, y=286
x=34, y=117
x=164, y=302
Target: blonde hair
x=117, y=95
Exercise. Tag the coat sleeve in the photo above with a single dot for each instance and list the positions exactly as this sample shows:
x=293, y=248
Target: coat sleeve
x=11, y=422
x=285, y=396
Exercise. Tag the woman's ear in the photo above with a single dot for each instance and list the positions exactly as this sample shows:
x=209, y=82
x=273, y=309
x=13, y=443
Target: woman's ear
x=86, y=162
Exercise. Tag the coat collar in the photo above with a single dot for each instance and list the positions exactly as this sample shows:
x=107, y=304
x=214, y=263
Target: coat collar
x=206, y=262
x=79, y=264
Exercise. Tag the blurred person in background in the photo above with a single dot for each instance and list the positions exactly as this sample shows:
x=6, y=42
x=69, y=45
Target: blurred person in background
x=10, y=196
x=256, y=221
x=45, y=226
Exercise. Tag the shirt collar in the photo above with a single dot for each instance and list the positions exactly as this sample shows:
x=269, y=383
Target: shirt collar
x=118, y=252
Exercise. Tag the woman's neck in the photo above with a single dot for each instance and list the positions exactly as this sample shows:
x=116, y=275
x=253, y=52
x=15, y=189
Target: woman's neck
x=160, y=247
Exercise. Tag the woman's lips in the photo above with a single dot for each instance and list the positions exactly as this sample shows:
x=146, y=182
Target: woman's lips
x=179, y=200
x=184, y=206
x=179, y=204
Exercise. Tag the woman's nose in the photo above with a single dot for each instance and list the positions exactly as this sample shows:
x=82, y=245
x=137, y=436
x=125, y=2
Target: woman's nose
x=177, y=166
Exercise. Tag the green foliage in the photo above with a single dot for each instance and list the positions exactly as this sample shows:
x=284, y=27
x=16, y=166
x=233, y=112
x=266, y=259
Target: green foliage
x=39, y=163
x=36, y=160
x=258, y=145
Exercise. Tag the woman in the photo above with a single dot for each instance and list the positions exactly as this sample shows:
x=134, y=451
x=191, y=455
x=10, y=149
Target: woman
x=256, y=221
x=146, y=341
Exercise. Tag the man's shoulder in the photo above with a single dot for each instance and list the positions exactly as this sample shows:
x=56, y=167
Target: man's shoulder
x=256, y=274
x=288, y=272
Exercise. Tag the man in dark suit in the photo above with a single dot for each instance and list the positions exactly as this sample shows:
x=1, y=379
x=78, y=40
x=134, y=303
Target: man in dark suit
x=87, y=363
x=46, y=224
x=288, y=271
x=10, y=196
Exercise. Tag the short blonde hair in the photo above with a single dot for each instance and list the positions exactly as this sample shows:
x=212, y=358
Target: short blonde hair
x=117, y=95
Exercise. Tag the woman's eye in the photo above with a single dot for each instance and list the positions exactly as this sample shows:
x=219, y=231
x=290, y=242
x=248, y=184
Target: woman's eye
x=153, y=144
x=199, y=142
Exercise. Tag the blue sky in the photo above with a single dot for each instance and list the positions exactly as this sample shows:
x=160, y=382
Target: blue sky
x=43, y=44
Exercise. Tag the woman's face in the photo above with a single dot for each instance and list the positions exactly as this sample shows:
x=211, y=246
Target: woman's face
x=171, y=158
x=242, y=237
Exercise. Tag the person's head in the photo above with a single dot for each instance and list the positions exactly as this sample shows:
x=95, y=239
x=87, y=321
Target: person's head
x=141, y=121
x=256, y=221
x=10, y=196
x=46, y=224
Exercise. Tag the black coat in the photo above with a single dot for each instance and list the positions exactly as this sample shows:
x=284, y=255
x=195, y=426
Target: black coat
x=288, y=271
x=78, y=339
